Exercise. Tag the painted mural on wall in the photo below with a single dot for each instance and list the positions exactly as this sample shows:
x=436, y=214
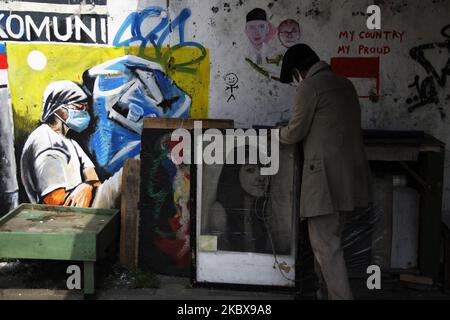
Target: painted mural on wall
x=158, y=34
x=54, y=21
x=231, y=81
x=124, y=91
x=267, y=43
x=79, y=109
x=359, y=54
x=54, y=168
x=289, y=33
x=363, y=71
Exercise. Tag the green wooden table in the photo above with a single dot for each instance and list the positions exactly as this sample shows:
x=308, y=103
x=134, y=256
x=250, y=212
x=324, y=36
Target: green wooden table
x=59, y=233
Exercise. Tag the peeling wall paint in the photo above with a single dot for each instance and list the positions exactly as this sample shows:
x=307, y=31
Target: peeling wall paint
x=408, y=91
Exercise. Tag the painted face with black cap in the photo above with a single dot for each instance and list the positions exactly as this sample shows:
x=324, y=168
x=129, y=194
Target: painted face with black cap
x=257, y=27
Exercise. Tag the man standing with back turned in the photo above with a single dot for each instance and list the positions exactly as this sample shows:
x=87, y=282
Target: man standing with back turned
x=336, y=176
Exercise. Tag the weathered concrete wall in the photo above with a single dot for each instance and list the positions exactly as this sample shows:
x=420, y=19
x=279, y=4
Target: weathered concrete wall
x=413, y=63
x=410, y=59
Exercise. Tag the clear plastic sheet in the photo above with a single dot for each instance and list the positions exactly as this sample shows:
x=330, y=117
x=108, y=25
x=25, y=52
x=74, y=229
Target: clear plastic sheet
x=366, y=239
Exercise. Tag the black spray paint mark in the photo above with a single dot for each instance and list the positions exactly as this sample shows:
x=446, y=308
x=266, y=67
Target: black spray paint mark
x=359, y=13
x=427, y=89
x=397, y=8
x=314, y=11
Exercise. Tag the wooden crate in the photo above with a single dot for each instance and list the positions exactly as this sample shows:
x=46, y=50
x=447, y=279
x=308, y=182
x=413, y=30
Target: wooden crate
x=59, y=233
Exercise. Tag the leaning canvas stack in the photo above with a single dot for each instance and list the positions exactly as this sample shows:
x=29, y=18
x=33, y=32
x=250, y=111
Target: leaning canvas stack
x=165, y=199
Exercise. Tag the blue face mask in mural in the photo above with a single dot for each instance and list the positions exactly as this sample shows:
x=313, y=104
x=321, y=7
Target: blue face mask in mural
x=78, y=121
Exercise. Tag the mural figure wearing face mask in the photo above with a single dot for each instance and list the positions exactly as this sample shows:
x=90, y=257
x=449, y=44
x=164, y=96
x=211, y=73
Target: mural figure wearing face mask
x=77, y=118
x=55, y=169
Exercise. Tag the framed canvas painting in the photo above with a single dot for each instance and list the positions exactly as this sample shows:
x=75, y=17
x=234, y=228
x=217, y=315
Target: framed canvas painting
x=165, y=197
x=245, y=230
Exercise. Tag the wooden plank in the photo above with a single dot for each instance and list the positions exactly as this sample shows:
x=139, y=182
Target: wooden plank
x=29, y=206
x=50, y=246
x=171, y=123
x=45, y=222
x=11, y=214
x=425, y=148
x=108, y=237
x=392, y=152
x=129, y=230
x=416, y=279
x=56, y=210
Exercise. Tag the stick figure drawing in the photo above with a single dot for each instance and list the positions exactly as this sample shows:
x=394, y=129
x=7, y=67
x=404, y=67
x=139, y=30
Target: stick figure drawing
x=231, y=80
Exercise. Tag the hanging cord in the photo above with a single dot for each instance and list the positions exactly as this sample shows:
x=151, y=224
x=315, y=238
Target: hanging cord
x=276, y=263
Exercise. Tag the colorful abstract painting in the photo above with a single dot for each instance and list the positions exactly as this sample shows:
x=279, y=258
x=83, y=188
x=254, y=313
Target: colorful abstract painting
x=164, y=229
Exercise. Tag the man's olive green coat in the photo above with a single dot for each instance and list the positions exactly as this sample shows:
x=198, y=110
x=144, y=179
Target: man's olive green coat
x=327, y=119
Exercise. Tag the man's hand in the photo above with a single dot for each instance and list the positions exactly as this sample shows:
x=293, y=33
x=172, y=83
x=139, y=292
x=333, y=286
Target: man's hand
x=80, y=197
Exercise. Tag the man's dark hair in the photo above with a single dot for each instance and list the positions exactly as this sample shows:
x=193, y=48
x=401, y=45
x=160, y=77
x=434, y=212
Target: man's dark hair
x=256, y=14
x=299, y=56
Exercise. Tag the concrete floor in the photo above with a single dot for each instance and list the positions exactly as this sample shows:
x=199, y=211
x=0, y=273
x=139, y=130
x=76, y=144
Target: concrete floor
x=46, y=281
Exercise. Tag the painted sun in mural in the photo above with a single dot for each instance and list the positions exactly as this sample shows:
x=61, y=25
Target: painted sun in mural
x=37, y=60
